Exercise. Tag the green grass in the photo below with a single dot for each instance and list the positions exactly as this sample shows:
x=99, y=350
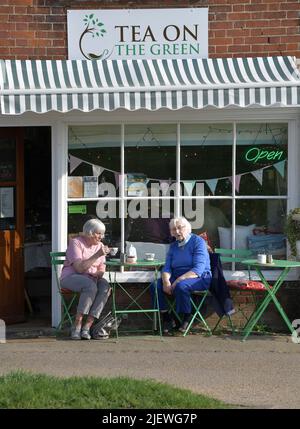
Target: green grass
x=25, y=390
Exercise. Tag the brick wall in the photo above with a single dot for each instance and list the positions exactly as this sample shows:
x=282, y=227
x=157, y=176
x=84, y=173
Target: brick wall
x=31, y=29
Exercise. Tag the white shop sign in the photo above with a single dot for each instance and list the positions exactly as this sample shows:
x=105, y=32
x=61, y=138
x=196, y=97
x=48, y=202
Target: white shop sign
x=138, y=33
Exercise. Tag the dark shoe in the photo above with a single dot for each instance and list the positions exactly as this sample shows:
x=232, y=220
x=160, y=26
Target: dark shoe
x=167, y=327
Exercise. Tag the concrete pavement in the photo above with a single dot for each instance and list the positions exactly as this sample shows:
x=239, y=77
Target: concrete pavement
x=262, y=372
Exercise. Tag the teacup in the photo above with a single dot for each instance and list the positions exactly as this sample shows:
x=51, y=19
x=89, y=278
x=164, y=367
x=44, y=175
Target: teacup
x=149, y=256
x=113, y=251
x=262, y=258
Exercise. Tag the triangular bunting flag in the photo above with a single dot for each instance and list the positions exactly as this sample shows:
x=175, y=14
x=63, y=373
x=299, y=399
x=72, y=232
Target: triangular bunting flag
x=280, y=167
x=212, y=184
x=237, y=182
x=189, y=186
x=258, y=174
x=97, y=170
x=74, y=162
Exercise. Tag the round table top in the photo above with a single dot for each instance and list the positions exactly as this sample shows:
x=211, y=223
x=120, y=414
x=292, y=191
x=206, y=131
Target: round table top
x=277, y=263
x=139, y=263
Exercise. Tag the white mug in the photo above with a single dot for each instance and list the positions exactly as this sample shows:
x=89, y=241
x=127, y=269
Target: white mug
x=149, y=256
x=113, y=251
x=262, y=258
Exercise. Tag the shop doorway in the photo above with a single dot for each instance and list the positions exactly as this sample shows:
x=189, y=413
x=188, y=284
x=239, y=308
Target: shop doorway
x=25, y=223
x=37, y=215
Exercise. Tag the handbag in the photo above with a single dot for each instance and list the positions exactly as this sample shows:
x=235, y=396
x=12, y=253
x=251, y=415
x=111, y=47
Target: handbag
x=101, y=329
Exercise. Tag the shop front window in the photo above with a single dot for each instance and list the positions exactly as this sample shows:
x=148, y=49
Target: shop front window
x=261, y=159
x=229, y=180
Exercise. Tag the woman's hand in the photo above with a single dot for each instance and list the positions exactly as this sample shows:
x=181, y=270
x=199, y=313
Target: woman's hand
x=167, y=288
x=103, y=251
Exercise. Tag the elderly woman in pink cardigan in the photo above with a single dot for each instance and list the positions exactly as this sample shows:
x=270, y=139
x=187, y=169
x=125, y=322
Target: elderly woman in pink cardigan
x=83, y=272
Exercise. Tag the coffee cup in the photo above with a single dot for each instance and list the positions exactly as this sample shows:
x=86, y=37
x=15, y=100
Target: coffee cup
x=262, y=258
x=113, y=251
x=149, y=256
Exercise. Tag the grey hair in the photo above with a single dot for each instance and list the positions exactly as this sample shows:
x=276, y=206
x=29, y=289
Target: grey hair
x=93, y=225
x=181, y=221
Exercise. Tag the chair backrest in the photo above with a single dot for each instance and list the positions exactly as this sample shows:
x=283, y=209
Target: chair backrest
x=235, y=256
x=57, y=258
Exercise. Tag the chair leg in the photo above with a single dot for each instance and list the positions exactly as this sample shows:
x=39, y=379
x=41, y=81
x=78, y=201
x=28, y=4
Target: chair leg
x=66, y=316
x=198, y=314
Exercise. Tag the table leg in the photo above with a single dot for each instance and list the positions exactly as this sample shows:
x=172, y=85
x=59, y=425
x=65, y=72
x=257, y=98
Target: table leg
x=271, y=292
x=113, y=285
x=156, y=304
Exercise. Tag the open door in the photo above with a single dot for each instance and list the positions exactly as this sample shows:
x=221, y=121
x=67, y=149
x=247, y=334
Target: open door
x=11, y=225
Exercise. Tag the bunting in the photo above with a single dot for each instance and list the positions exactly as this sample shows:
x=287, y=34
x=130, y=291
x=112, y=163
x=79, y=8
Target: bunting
x=74, y=163
x=258, y=174
x=212, y=184
x=98, y=170
x=188, y=184
x=280, y=167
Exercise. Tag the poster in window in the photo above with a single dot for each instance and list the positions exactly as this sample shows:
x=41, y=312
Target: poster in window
x=75, y=187
x=135, y=184
x=7, y=202
x=90, y=186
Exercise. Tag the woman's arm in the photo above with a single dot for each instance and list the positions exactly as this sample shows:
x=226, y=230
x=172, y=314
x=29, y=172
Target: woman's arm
x=81, y=266
x=187, y=275
x=166, y=273
x=198, y=262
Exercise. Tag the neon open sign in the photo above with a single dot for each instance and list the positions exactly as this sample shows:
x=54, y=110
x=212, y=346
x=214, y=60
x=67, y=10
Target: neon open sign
x=256, y=154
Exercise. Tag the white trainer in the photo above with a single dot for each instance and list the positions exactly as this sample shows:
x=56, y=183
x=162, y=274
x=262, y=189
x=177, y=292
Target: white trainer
x=85, y=335
x=75, y=334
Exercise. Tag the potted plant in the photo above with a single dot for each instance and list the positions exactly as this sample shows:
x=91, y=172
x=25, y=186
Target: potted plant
x=292, y=231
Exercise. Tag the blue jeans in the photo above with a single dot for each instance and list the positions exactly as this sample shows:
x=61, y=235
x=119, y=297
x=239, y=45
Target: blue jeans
x=182, y=292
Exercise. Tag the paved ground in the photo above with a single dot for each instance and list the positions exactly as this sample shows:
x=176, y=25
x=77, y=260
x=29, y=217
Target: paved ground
x=262, y=372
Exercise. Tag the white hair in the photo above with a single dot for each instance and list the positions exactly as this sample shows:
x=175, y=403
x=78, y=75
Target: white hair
x=93, y=225
x=180, y=221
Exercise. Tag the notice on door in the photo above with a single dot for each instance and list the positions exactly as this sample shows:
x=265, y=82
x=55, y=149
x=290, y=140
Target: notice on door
x=7, y=202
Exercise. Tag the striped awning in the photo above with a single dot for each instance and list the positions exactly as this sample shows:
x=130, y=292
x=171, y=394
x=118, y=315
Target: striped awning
x=45, y=85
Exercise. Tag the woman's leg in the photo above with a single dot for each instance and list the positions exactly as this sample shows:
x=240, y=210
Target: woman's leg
x=87, y=289
x=103, y=290
x=183, y=292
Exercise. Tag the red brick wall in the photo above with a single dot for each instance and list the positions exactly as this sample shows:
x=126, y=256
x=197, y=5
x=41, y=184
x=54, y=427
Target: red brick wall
x=31, y=29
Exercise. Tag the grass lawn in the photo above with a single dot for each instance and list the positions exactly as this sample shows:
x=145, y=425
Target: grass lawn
x=25, y=390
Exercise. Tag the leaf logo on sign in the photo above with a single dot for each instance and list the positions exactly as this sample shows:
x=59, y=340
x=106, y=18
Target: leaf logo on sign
x=95, y=28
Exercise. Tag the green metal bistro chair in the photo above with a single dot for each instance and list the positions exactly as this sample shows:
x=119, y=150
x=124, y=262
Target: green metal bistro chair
x=68, y=297
x=236, y=256
x=197, y=300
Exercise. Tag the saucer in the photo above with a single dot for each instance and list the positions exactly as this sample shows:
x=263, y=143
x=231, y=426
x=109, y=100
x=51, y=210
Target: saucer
x=266, y=263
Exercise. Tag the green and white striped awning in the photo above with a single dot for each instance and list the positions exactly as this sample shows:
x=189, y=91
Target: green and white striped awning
x=42, y=86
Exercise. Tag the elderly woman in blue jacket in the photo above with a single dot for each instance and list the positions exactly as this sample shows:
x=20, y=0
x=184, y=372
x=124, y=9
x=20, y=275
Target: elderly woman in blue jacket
x=187, y=269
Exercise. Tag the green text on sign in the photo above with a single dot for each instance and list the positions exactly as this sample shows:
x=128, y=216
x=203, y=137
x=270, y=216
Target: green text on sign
x=79, y=209
x=255, y=154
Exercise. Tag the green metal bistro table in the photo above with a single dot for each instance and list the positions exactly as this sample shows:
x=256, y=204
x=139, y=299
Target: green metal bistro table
x=271, y=291
x=151, y=313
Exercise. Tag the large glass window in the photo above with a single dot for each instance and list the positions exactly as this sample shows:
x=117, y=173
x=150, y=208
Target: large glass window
x=206, y=157
x=261, y=156
x=229, y=180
